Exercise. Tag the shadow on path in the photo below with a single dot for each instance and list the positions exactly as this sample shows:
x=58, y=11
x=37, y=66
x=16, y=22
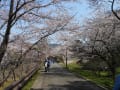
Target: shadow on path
x=60, y=79
x=76, y=85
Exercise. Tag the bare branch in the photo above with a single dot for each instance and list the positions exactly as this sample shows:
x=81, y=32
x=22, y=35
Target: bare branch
x=16, y=19
x=42, y=16
x=1, y=35
x=3, y=25
x=112, y=8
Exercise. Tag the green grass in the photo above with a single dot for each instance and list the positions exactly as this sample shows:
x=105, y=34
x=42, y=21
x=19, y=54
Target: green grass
x=118, y=70
x=104, y=73
x=31, y=81
x=102, y=80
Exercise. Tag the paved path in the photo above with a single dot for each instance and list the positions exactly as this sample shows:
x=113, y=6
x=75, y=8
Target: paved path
x=60, y=79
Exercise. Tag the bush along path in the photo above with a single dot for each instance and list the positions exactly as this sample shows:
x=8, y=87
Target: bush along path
x=60, y=79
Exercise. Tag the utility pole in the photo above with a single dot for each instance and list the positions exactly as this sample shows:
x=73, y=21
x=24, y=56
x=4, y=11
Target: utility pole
x=66, y=58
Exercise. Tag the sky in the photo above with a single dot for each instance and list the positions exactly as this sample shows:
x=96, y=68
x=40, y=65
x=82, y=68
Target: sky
x=82, y=11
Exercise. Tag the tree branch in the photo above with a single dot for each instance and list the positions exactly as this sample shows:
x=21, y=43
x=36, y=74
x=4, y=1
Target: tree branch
x=3, y=25
x=42, y=16
x=16, y=19
x=1, y=35
x=115, y=13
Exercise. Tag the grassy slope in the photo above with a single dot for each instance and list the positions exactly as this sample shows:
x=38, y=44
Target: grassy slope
x=103, y=81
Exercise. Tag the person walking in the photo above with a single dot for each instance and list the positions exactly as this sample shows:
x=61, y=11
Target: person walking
x=47, y=65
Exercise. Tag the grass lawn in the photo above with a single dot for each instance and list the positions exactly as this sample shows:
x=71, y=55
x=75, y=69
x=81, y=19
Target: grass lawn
x=102, y=80
x=31, y=81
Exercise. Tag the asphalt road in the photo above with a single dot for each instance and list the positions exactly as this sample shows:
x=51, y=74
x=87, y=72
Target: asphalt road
x=60, y=79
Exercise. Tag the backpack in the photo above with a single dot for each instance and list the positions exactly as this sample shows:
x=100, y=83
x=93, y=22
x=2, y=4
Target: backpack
x=46, y=64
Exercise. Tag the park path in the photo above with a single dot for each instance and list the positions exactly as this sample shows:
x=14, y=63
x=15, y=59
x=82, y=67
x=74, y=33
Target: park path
x=60, y=79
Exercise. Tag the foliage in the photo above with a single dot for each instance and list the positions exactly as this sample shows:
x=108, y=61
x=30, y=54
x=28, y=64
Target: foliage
x=100, y=43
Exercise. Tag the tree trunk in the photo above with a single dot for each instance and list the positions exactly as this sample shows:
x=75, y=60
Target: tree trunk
x=113, y=68
x=3, y=74
x=14, y=76
x=4, y=44
x=66, y=59
x=113, y=71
